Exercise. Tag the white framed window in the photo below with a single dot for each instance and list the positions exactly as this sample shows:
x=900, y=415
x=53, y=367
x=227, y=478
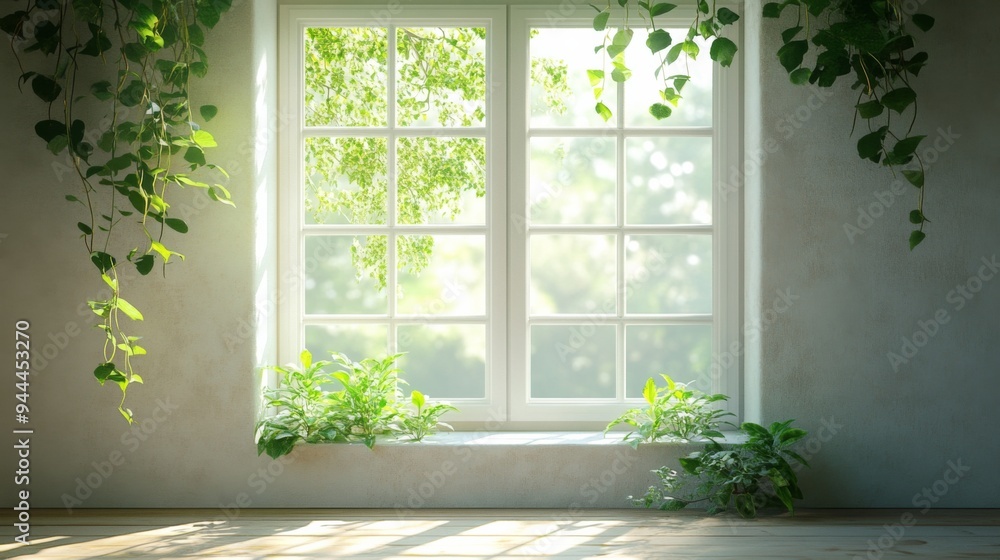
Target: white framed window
x=535, y=263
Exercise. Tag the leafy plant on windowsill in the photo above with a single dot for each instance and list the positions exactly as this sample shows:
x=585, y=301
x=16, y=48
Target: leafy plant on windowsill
x=747, y=476
x=369, y=404
x=115, y=77
x=674, y=412
x=866, y=39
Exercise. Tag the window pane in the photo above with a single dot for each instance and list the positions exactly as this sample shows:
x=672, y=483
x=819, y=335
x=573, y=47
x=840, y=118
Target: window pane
x=441, y=76
x=572, y=274
x=345, y=76
x=561, y=94
x=339, y=278
x=441, y=180
x=668, y=274
x=444, y=361
x=345, y=180
x=573, y=181
x=573, y=361
x=683, y=352
x=446, y=274
x=668, y=180
x=357, y=341
x=643, y=88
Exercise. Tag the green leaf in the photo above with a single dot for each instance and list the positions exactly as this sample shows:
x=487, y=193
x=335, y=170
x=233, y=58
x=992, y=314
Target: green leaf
x=899, y=99
x=791, y=435
x=791, y=54
x=660, y=9
x=603, y=111
x=725, y=16
x=306, y=358
x=144, y=264
x=195, y=155
x=622, y=37
x=601, y=21
x=660, y=112
x=595, y=76
x=203, y=139
x=45, y=88
x=128, y=309
x=649, y=391
x=907, y=146
x=915, y=238
x=915, y=177
x=674, y=53
x=103, y=261
x=790, y=33
x=620, y=74
x=673, y=504
x=703, y=6
x=923, y=21
x=800, y=76
x=916, y=217
x=723, y=51
x=785, y=495
x=691, y=48
x=103, y=371
x=84, y=228
x=745, y=506
x=176, y=224
x=163, y=251
x=870, y=109
x=773, y=10
x=49, y=129
x=658, y=40
x=870, y=145
x=417, y=398
x=208, y=112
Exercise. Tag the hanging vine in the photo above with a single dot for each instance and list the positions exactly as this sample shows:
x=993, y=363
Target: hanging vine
x=135, y=59
x=866, y=39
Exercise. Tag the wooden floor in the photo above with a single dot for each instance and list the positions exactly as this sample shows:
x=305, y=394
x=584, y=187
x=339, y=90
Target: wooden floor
x=495, y=534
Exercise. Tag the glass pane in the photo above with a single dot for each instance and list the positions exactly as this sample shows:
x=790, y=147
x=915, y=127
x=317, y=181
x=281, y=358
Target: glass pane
x=346, y=180
x=575, y=361
x=684, y=352
x=441, y=180
x=444, y=361
x=573, y=181
x=668, y=274
x=357, y=341
x=561, y=93
x=338, y=280
x=345, y=76
x=668, y=180
x=442, y=274
x=644, y=87
x=441, y=76
x=572, y=274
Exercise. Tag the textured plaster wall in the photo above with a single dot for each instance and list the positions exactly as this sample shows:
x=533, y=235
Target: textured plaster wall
x=879, y=435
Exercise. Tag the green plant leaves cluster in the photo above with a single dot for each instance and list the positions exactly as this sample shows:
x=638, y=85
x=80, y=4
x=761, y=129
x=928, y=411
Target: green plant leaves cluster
x=367, y=404
x=674, y=412
x=709, y=24
x=870, y=42
x=144, y=54
x=747, y=477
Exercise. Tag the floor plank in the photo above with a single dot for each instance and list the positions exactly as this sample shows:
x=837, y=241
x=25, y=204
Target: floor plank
x=497, y=534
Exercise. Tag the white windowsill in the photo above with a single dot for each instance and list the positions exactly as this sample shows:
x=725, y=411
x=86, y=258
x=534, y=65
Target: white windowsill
x=543, y=438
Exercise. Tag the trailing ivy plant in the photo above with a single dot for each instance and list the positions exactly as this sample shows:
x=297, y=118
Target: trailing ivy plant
x=747, y=476
x=368, y=403
x=115, y=77
x=674, y=412
x=868, y=40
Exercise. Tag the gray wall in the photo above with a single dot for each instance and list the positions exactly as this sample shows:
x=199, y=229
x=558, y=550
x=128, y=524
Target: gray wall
x=879, y=435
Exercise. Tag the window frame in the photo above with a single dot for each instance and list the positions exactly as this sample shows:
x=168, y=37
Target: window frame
x=505, y=405
x=291, y=227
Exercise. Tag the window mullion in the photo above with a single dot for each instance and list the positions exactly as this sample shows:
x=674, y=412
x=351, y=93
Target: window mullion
x=390, y=251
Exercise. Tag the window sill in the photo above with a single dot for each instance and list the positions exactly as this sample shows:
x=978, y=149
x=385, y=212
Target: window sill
x=543, y=439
